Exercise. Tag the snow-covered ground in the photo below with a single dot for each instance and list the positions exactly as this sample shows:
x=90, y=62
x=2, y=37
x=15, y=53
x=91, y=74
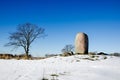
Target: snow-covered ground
x=62, y=68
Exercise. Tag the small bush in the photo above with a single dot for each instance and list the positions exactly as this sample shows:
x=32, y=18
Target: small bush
x=105, y=57
x=92, y=56
x=92, y=53
x=54, y=76
x=44, y=79
x=66, y=54
x=77, y=60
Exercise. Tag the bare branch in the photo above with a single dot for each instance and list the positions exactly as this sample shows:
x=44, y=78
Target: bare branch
x=68, y=48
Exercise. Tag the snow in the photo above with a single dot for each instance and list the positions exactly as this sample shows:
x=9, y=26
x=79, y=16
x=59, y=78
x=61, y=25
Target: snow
x=66, y=68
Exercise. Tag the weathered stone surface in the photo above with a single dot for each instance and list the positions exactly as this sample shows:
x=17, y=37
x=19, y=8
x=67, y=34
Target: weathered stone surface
x=81, y=43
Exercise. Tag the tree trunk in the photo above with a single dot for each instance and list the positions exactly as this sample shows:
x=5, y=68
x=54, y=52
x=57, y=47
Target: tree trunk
x=27, y=52
x=27, y=48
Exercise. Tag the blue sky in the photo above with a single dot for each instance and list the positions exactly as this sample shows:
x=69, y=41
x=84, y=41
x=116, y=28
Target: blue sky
x=62, y=20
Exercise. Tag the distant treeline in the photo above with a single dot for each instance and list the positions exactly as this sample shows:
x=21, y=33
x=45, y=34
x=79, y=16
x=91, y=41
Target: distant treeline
x=23, y=56
x=11, y=56
x=20, y=56
x=115, y=54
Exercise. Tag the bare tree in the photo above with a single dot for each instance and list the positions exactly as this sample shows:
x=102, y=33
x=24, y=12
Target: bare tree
x=25, y=35
x=68, y=49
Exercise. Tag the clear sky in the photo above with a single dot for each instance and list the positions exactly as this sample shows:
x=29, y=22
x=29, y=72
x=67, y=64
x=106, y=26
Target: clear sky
x=62, y=20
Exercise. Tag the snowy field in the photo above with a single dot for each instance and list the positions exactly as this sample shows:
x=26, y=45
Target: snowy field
x=62, y=68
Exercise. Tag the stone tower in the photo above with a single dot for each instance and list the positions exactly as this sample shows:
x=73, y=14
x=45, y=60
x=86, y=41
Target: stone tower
x=81, y=43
